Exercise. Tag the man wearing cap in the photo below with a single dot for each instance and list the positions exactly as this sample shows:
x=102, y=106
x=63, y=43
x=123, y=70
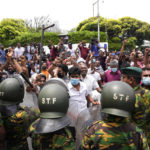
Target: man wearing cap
x=113, y=74
x=141, y=114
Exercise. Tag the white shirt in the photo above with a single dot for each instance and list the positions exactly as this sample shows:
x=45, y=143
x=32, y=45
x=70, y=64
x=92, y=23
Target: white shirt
x=77, y=101
x=72, y=51
x=96, y=75
x=100, y=70
x=90, y=82
x=18, y=52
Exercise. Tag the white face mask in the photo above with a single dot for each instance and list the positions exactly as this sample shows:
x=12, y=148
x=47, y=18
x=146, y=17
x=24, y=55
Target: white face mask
x=37, y=70
x=146, y=80
x=69, y=66
x=108, y=68
x=114, y=69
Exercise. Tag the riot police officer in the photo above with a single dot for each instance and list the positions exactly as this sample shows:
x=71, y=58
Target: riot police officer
x=115, y=132
x=16, y=119
x=50, y=131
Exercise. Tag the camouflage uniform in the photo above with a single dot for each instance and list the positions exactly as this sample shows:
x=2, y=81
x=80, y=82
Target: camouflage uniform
x=58, y=140
x=16, y=127
x=1, y=120
x=141, y=113
x=114, y=134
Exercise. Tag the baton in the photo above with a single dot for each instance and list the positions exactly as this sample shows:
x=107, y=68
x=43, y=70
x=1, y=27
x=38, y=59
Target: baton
x=25, y=78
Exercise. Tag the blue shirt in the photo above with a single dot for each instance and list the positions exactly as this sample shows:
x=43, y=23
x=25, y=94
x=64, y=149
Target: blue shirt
x=2, y=56
x=94, y=49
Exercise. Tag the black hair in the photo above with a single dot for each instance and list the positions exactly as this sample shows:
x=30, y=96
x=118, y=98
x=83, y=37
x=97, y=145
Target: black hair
x=63, y=67
x=43, y=76
x=146, y=68
x=136, y=78
x=74, y=71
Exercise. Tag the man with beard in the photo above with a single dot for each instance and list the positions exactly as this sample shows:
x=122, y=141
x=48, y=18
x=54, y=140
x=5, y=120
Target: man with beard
x=45, y=71
x=62, y=71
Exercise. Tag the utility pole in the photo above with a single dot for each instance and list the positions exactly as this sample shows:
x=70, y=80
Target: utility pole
x=98, y=27
x=42, y=38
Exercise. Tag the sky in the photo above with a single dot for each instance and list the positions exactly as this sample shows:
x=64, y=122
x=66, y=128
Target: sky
x=69, y=13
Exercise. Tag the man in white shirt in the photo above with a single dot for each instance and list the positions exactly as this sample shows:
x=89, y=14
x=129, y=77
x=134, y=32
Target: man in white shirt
x=70, y=49
x=90, y=82
x=79, y=95
x=18, y=51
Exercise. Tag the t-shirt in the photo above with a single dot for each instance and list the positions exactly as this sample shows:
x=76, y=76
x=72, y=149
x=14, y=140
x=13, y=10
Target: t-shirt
x=18, y=52
x=84, y=52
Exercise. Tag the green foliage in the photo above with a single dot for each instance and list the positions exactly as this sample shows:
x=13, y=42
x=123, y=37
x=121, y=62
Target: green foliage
x=131, y=43
x=76, y=37
x=135, y=31
x=10, y=28
x=36, y=37
x=86, y=22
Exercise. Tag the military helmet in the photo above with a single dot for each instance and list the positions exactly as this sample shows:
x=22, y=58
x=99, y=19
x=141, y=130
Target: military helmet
x=11, y=91
x=53, y=99
x=118, y=98
x=53, y=103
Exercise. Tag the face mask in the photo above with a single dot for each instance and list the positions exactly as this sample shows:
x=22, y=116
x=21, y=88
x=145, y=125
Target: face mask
x=108, y=68
x=60, y=75
x=37, y=70
x=146, y=80
x=94, y=60
x=114, y=69
x=74, y=81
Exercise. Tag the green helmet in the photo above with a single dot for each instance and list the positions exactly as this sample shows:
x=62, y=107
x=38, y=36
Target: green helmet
x=53, y=99
x=118, y=98
x=53, y=102
x=11, y=91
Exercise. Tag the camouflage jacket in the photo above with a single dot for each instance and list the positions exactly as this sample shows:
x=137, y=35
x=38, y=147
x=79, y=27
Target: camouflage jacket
x=1, y=120
x=114, y=135
x=17, y=127
x=58, y=140
x=141, y=113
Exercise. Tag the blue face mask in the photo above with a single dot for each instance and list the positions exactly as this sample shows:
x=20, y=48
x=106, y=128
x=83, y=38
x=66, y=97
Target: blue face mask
x=108, y=68
x=74, y=81
x=146, y=80
x=94, y=60
x=114, y=69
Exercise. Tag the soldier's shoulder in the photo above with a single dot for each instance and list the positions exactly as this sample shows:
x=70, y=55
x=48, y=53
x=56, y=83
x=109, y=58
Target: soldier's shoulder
x=32, y=126
x=31, y=111
x=143, y=91
x=94, y=126
x=1, y=120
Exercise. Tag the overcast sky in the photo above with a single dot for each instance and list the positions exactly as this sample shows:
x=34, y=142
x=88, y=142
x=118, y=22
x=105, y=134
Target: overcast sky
x=69, y=13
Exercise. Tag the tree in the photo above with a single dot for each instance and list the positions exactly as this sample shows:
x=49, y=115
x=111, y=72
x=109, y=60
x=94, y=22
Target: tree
x=10, y=28
x=126, y=27
x=35, y=24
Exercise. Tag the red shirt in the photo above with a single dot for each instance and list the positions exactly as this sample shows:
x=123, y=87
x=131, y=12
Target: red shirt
x=109, y=76
x=84, y=52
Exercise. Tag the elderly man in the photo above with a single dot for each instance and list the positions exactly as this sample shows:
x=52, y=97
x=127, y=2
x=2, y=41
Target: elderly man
x=113, y=74
x=90, y=82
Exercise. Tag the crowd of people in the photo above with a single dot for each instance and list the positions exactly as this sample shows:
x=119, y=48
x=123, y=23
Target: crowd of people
x=88, y=74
